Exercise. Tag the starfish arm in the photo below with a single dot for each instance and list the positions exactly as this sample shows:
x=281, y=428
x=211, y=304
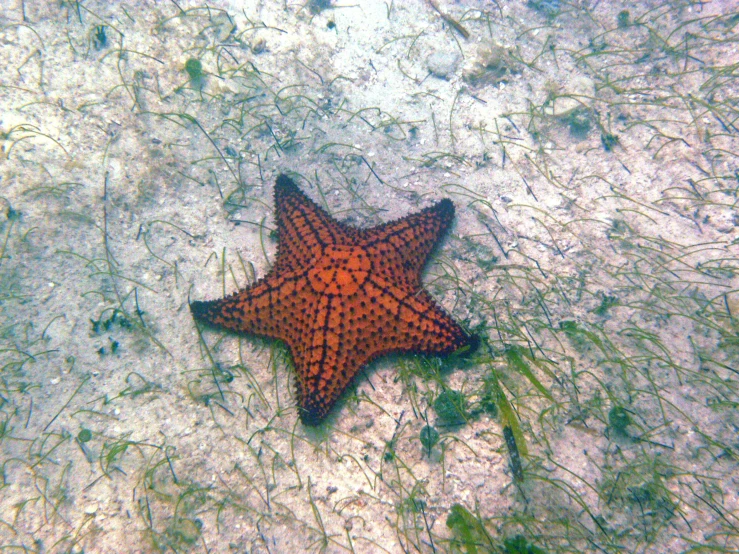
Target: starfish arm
x=304, y=228
x=318, y=387
x=413, y=322
x=413, y=237
x=326, y=360
x=272, y=307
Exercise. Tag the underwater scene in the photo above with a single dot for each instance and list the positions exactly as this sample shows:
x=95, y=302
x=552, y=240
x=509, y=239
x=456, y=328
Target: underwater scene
x=361, y=276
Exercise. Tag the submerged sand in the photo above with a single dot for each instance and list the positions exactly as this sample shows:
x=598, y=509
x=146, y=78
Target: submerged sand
x=590, y=149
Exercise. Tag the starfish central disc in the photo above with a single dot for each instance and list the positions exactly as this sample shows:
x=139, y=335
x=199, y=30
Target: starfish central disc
x=341, y=270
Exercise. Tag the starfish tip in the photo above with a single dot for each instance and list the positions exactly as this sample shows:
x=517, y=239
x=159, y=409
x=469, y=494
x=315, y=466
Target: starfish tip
x=285, y=185
x=473, y=343
x=446, y=206
x=201, y=310
x=445, y=210
x=310, y=418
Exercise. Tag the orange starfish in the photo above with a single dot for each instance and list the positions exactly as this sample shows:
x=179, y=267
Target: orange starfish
x=340, y=296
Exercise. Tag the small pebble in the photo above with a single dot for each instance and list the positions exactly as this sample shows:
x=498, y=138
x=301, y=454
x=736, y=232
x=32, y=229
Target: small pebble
x=442, y=64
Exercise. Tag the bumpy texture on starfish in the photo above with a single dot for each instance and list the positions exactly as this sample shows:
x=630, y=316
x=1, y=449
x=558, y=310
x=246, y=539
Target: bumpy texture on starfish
x=340, y=296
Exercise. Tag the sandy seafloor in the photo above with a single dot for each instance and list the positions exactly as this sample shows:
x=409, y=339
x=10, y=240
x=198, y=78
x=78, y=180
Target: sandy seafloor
x=591, y=151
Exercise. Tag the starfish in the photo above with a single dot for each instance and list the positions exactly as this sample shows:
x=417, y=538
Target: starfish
x=340, y=296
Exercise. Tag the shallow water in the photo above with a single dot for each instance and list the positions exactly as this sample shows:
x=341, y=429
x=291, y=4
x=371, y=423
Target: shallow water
x=590, y=151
